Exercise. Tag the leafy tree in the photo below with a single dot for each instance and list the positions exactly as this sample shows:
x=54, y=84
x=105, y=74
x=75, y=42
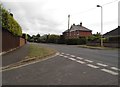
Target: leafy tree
x=94, y=38
x=53, y=38
x=9, y=23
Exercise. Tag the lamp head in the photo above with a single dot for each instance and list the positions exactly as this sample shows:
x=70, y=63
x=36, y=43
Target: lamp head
x=98, y=6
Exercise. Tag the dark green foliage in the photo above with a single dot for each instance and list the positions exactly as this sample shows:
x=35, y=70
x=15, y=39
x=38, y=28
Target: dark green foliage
x=79, y=41
x=9, y=23
x=94, y=38
x=53, y=38
x=24, y=36
x=61, y=40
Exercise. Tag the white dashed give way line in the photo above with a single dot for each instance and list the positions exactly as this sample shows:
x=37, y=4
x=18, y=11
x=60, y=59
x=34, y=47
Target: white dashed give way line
x=89, y=63
x=80, y=61
x=114, y=68
x=109, y=71
x=79, y=58
x=102, y=64
x=93, y=66
x=88, y=60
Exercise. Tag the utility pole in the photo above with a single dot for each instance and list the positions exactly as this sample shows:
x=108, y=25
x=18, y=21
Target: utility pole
x=68, y=25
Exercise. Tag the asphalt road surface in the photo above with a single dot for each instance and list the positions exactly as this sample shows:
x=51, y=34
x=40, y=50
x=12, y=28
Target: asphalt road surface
x=73, y=66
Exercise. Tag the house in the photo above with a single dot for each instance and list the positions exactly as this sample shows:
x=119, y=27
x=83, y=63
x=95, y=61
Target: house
x=77, y=31
x=112, y=33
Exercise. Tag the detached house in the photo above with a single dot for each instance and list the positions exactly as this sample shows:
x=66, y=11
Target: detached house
x=77, y=31
x=113, y=33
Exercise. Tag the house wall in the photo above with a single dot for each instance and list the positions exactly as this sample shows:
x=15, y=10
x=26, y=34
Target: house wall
x=77, y=34
x=86, y=34
x=9, y=41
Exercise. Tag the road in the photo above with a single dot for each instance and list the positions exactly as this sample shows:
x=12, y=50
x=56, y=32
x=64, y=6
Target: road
x=73, y=66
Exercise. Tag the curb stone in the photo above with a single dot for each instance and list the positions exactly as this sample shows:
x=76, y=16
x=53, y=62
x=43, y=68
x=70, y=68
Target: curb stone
x=21, y=64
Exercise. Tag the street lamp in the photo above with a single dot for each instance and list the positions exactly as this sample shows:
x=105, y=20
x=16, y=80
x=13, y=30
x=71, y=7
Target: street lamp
x=68, y=25
x=101, y=24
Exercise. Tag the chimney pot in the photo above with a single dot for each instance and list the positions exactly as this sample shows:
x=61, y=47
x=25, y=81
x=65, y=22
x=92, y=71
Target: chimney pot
x=80, y=23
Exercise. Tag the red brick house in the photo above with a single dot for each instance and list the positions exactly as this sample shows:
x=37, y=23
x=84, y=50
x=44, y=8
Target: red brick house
x=77, y=31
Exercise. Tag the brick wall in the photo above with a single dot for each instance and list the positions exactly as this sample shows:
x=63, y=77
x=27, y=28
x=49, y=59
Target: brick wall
x=77, y=34
x=114, y=45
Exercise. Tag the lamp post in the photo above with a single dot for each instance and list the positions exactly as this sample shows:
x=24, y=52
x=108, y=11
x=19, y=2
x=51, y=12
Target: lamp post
x=68, y=24
x=101, y=24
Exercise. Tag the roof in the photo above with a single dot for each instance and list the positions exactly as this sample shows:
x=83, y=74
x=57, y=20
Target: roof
x=112, y=32
x=78, y=27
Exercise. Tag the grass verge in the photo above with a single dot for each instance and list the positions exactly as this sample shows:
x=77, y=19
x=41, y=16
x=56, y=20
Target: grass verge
x=38, y=52
x=97, y=47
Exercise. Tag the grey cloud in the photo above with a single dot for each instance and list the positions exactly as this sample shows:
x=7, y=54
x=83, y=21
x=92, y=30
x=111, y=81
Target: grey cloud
x=32, y=16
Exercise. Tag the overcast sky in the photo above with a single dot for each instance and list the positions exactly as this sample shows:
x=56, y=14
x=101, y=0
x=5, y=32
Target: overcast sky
x=51, y=16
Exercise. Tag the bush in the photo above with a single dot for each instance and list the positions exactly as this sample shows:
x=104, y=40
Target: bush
x=79, y=41
x=9, y=23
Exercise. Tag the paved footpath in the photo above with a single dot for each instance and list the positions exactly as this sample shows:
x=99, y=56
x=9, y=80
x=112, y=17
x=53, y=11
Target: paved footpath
x=15, y=56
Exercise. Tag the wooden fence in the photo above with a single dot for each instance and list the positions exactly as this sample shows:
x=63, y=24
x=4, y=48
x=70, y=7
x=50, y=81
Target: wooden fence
x=9, y=41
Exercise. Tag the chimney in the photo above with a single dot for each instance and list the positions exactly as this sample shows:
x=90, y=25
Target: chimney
x=80, y=23
x=73, y=24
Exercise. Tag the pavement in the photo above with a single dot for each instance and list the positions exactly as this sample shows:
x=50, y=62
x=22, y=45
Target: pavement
x=73, y=66
x=15, y=56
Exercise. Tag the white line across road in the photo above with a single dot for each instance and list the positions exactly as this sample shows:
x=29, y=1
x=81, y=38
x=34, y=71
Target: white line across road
x=72, y=55
x=79, y=58
x=88, y=60
x=65, y=56
x=89, y=63
x=102, y=64
x=93, y=66
x=114, y=68
x=61, y=55
x=72, y=59
x=109, y=71
x=80, y=61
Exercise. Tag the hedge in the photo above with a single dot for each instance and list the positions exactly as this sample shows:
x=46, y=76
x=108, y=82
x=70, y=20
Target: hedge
x=79, y=41
x=9, y=23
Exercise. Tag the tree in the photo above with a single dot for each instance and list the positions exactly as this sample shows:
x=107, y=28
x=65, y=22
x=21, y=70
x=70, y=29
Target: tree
x=94, y=38
x=9, y=23
x=53, y=38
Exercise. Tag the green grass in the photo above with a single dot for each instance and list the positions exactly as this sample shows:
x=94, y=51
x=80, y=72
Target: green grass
x=39, y=51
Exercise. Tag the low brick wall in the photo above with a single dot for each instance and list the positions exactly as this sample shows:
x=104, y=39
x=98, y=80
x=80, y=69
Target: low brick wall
x=113, y=45
x=9, y=41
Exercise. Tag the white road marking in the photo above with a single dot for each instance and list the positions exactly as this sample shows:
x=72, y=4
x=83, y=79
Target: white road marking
x=109, y=71
x=88, y=60
x=67, y=54
x=102, y=64
x=79, y=58
x=72, y=55
x=80, y=61
x=62, y=53
x=93, y=66
x=72, y=59
x=114, y=68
